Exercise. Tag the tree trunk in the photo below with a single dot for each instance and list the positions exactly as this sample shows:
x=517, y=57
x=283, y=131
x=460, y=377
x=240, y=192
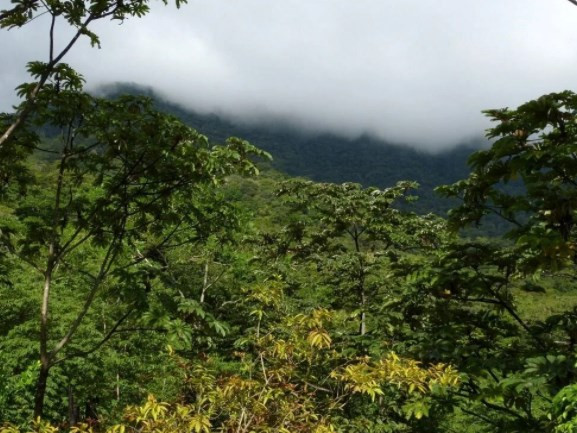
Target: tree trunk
x=118, y=386
x=363, y=315
x=41, y=389
x=204, y=282
x=44, y=355
x=361, y=284
x=72, y=408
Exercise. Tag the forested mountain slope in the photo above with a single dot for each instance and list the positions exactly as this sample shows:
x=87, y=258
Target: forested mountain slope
x=329, y=158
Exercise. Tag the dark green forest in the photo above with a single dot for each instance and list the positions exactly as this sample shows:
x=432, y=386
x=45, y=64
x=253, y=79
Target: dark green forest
x=167, y=272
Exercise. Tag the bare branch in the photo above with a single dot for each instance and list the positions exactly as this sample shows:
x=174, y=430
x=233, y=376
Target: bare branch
x=52, y=26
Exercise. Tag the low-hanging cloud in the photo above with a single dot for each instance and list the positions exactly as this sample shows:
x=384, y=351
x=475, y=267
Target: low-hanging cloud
x=409, y=71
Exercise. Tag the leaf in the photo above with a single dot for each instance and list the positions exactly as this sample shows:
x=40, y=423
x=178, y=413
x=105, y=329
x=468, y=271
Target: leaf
x=319, y=338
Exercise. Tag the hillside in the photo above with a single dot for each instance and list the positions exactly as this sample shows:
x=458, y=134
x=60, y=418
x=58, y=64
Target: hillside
x=329, y=158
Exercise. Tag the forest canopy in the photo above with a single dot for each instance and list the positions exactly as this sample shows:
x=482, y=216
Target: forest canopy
x=152, y=279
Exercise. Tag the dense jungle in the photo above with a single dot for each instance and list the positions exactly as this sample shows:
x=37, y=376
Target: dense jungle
x=158, y=278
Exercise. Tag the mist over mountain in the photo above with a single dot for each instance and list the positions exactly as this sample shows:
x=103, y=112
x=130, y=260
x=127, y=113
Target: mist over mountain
x=412, y=71
x=327, y=157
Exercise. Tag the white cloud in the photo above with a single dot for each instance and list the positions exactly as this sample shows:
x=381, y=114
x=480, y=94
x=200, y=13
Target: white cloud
x=411, y=71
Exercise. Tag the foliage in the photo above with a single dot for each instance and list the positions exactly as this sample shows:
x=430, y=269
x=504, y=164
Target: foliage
x=141, y=262
x=326, y=158
x=352, y=234
x=534, y=145
x=287, y=377
x=128, y=184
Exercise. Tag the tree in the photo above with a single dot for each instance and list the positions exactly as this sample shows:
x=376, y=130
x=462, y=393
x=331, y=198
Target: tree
x=535, y=151
x=125, y=182
x=352, y=233
x=124, y=186
x=527, y=178
x=80, y=15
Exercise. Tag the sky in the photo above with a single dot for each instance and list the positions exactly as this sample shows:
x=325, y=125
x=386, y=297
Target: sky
x=407, y=71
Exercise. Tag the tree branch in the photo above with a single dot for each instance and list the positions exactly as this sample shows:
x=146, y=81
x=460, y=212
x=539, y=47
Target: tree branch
x=52, y=25
x=107, y=337
x=104, y=269
x=511, y=310
x=503, y=409
x=481, y=417
x=29, y=103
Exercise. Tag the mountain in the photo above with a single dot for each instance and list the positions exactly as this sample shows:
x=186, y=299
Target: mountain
x=329, y=158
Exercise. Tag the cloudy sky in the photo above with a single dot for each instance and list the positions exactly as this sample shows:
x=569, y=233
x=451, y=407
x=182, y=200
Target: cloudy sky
x=409, y=71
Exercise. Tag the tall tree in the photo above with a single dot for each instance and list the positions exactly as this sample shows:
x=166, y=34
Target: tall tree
x=125, y=184
x=351, y=233
x=527, y=178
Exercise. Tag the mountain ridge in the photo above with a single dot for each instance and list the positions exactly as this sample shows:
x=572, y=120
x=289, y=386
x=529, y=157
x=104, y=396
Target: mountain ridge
x=326, y=157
